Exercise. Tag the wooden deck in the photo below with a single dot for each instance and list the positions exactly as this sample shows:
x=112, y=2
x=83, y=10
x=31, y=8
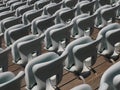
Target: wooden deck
x=70, y=80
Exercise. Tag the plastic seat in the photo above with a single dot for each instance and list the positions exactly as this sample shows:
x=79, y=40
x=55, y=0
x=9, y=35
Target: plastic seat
x=56, y=1
x=75, y=32
x=69, y=13
x=3, y=9
x=107, y=45
x=40, y=24
x=8, y=22
x=14, y=6
x=52, y=41
x=110, y=79
x=40, y=4
x=37, y=76
x=15, y=32
x=10, y=2
x=9, y=81
x=29, y=16
x=4, y=59
x=70, y=3
x=105, y=14
x=86, y=25
x=29, y=2
x=51, y=8
x=21, y=10
x=62, y=10
x=24, y=48
x=3, y=5
x=6, y=14
x=79, y=57
x=82, y=87
x=85, y=7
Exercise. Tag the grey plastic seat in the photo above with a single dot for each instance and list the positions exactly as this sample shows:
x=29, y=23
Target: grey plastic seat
x=79, y=57
x=4, y=59
x=55, y=43
x=3, y=9
x=51, y=8
x=37, y=76
x=69, y=13
x=110, y=79
x=3, y=5
x=56, y=1
x=9, y=81
x=40, y=24
x=10, y=2
x=24, y=48
x=29, y=2
x=105, y=14
x=86, y=25
x=14, y=6
x=75, y=32
x=6, y=14
x=56, y=14
x=21, y=10
x=29, y=16
x=8, y=22
x=85, y=6
x=107, y=45
x=40, y=4
x=82, y=87
x=15, y=32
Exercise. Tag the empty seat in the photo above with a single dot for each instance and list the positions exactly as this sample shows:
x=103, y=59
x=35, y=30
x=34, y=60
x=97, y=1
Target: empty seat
x=40, y=4
x=24, y=48
x=6, y=14
x=37, y=75
x=85, y=7
x=52, y=41
x=75, y=32
x=51, y=8
x=110, y=79
x=15, y=32
x=86, y=25
x=8, y=22
x=17, y=4
x=70, y=13
x=10, y=2
x=3, y=9
x=4, y=59
x=21, y=10
x=70, y=3
x=105, y=14
x=40, y=24
x=9, y=81
x=107, y=45
x=79, y=54
x=30, y=15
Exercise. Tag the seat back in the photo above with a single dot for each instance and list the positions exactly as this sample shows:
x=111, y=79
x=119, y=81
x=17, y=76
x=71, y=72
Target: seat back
x=8, y=22
x=30, y=15
x=13, y=82
x=108, y=77
x=41, y=4
x=21, y=10
x=4, y=59
x=51, y=8
x=64, y=35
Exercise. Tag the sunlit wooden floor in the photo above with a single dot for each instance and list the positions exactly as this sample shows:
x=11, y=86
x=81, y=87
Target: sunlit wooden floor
x=70, y=80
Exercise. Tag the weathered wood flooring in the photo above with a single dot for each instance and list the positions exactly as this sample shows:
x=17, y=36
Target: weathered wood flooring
x=70, y=80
